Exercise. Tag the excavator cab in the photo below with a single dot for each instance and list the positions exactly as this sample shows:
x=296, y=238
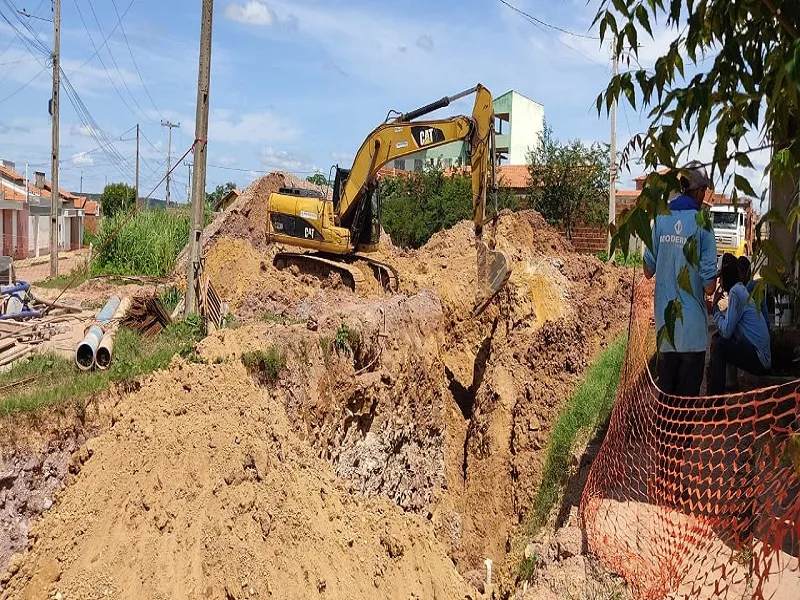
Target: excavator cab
x=365, y=226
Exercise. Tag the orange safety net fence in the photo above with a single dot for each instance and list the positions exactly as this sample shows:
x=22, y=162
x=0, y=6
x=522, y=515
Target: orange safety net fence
x=695, y=497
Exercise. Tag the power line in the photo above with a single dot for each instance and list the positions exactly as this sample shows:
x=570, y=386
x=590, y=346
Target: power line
x=133, y=58
x=537, y=21
x=108, y=37
x=261, y=171
x=118, y=160
x=31, y=41
x=103, y=64
x=11, y=41
x=24, y=85
x=111, y=54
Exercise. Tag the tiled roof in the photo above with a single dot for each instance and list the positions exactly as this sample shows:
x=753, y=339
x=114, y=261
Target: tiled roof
x=642, y=177
x=11, y=174
x=515, y=177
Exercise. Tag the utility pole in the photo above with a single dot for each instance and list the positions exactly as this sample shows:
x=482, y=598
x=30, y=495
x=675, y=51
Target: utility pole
x=612, y=188
x=54, y=197
x=170, y=125
x=200, y=156
x=81, y=192
x=137, y=166
x=189, y=185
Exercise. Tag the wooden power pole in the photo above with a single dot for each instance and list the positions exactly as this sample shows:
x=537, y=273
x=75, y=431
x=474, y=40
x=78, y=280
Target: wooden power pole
x=200, y=155
x=170, y=125
x=54, y=197
x=136, y=203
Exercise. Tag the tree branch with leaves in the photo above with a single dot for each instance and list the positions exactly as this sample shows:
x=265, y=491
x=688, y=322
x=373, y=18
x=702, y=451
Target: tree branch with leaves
x=569, y=182
x=749, y=91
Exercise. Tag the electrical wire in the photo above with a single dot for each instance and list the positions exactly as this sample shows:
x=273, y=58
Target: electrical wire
x=533, y=19
x=23, y=86
x=118, y=160
x=261, y=171
x=114, y=60
x=108, y=37
x=133, y=58
x=542, y=25
x=105, y=69
x=33, y=36
x=11, y=41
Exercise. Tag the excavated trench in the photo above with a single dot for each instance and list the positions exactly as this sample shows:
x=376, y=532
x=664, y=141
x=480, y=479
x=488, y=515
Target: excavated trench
x=444, y=416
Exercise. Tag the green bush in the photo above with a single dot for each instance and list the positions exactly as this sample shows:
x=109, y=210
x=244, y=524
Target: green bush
x=148, y=244
x=417, y=205
x=265, y=366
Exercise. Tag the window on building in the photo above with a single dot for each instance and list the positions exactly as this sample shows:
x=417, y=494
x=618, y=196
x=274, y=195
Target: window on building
x=418, y=165
x=400, y=163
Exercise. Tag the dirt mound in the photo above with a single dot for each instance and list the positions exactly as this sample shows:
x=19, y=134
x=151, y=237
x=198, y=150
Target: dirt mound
x=200, y=489
x=481, y=394
x=246, y=218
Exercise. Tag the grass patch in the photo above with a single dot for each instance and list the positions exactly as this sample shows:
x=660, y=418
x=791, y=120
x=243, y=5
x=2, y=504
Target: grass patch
x=49, y=379
x=634, y=259
x=347, y=339
x=265, y=366
x=60, y=282
x=148, y=244
x=170, y=297
x=271, y=317
x=588, y=409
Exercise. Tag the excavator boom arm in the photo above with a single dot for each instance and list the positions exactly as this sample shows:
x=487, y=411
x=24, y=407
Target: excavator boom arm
x=404, y=137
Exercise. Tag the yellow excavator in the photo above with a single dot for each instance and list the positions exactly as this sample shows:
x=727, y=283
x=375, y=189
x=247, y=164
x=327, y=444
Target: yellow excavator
x=343, y=230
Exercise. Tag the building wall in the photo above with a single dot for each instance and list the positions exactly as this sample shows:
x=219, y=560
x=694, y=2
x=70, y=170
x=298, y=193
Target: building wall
x=520, y=134
x=525, y=127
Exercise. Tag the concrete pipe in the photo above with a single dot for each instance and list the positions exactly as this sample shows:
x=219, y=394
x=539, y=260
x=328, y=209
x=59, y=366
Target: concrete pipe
x=102, y=357
x=87, y=350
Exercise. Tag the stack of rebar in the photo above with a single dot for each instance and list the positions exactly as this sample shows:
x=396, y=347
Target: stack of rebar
x=147, y=315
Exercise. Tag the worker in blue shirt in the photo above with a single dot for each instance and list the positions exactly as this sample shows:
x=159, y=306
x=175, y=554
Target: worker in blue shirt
x=743, y=264
x=681, y=365
x=743, y=338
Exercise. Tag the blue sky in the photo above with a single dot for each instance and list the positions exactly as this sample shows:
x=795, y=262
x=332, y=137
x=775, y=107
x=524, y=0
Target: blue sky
x=296, y=85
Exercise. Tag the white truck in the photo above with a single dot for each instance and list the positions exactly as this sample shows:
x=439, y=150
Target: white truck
x=733, y=229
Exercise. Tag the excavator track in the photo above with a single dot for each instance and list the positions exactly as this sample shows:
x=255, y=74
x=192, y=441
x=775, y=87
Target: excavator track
x=322, y=265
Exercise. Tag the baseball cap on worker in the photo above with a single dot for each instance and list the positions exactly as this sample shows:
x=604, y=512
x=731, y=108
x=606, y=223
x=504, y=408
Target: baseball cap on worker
x=693, y=176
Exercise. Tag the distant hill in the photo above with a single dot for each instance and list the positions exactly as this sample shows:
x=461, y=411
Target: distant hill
x=154, y=202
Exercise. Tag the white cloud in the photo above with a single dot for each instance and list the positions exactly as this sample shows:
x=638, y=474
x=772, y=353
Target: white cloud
x=251, y=12
x=425, y=42
x=81, y=130
x=284, y=160
x=343, y=158
x=226, y=161
x=82, y=159
x=257, y=127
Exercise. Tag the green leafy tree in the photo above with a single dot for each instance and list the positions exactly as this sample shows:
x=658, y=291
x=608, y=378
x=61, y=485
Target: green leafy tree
x=317, y=179
x=569, y=182
x=749, y=91
x=414, y=206
x=117, y=197
x=218, y=194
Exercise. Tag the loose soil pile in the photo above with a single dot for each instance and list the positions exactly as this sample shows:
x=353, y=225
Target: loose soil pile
x=200, y=489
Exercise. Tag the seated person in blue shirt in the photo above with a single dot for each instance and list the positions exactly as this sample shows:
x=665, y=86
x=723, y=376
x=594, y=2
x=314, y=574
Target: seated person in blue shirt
x=743, y=338
x=743, y=264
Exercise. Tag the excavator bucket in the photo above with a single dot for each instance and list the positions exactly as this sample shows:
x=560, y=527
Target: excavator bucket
x=493, y=274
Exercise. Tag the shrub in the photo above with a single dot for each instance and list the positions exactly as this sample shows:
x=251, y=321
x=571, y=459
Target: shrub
x=148, y=244
x=265, y=366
